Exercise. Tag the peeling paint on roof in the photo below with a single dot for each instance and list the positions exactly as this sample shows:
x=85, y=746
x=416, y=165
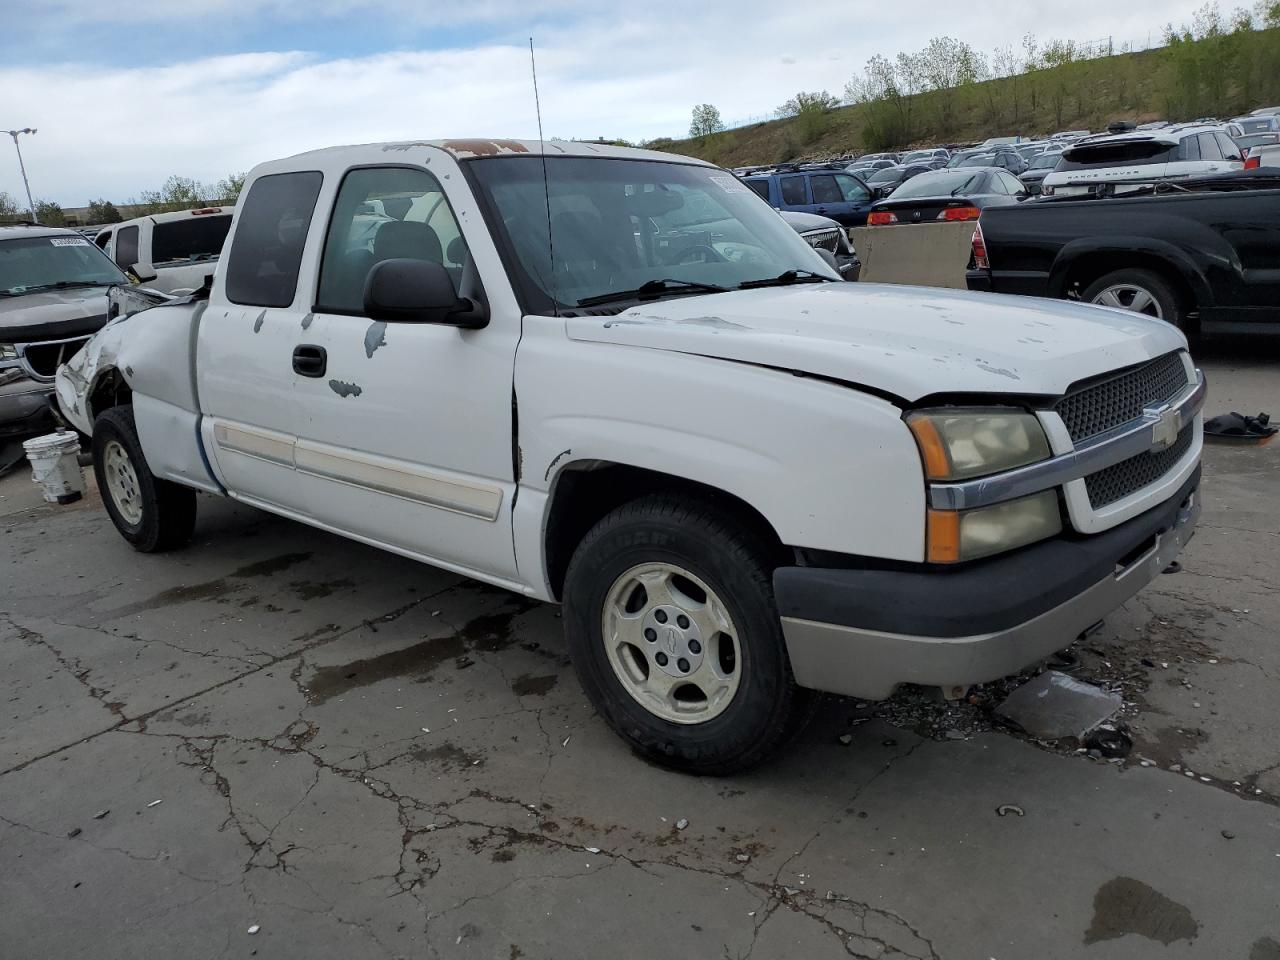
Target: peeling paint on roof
x=483, y=148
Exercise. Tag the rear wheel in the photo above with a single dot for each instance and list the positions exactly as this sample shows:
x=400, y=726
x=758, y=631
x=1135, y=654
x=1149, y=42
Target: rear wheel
x=670, y=619
x=1140, y=291
x=151, y=513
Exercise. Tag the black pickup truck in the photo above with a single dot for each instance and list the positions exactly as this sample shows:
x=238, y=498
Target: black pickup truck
x=1203, y=254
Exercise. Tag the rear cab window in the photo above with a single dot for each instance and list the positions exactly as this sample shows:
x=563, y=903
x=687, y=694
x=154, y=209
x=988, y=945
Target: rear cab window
x=262, y=265
x=191, y=238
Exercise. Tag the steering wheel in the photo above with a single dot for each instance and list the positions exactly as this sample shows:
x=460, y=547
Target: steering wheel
x=709, y=254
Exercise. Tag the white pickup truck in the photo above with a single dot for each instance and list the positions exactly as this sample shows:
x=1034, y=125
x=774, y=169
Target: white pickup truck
x=169, y=252
x=618, y=380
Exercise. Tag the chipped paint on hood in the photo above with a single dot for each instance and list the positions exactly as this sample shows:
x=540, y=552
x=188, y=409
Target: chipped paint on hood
x=906, y=341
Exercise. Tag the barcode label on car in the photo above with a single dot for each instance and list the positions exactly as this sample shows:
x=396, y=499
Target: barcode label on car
x=729, y=185
x=69, y=241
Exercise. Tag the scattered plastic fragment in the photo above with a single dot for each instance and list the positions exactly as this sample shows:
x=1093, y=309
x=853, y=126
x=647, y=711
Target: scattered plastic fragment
x=743, y=858
x=253, y=929
x=1228, y=835
x=72, y=834
x=100, y=814
x=591, y=849
x=1054, y=705
x=682, y=823
x=155, y=803
x=846, y=739
x=1007, y=808
x=565, y=741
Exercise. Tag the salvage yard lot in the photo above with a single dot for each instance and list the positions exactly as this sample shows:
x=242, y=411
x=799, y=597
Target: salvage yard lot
x=353, y=755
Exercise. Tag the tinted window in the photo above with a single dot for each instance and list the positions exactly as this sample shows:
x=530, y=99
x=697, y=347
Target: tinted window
x=825, y=190
x=262, y=265
x=1209, y=149
x=793, y=191
x=382, y=214
x=761, y=187
x=1230, y=151
x=1126, y=153
x=941, y=183
x=1006, y=183
x=887, y=175
x=103, y=239
x=852, y=189
x=192, y=238
x=1190, y=149
x=127, y=247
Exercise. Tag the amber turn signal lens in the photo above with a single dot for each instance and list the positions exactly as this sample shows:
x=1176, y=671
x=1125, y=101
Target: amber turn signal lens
x=937, y=465
x=943, y=536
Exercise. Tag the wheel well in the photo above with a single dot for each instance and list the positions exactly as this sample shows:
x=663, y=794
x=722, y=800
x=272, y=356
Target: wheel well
x=1092, y=266
x=586, y=491
x=109, y=391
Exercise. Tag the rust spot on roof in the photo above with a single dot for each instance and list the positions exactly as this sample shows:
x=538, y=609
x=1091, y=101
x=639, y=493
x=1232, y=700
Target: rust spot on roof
x=483, y=148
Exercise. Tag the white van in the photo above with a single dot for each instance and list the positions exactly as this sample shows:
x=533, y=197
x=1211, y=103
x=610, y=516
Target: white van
x=179, y=249
x=1140, y=157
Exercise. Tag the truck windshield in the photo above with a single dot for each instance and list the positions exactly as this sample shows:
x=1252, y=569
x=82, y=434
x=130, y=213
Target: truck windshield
x=617, y=225
x=29, y=264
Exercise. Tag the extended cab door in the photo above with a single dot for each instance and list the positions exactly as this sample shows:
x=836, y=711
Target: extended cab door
x=406, y=437
x=247, y=339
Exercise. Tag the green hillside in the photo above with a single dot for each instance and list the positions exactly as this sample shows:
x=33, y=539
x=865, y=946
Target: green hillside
x=1222, y=73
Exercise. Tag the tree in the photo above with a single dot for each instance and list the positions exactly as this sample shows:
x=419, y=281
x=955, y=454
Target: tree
x=176, y=193
x=229, y=187
x=706, y=120
x=103, y=211
x=948, y=64
x=9, y=209
x=807, y=102
x=50, y=214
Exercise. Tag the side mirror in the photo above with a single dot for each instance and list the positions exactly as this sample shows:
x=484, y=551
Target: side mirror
x=143, y=272
x=418, y=291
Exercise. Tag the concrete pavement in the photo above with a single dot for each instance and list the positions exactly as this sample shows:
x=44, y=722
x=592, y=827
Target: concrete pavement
x=357, y=756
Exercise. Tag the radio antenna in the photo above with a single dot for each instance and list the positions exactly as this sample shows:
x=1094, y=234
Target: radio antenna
x=546, y=185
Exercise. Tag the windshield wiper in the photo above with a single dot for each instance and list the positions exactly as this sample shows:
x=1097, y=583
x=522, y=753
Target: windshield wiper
x=66, y=285
x=651, y=290
x=785, y=278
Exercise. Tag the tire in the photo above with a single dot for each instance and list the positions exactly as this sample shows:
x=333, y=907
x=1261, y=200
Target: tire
x=152, y=514
x=638, y=544
x=1160, y=293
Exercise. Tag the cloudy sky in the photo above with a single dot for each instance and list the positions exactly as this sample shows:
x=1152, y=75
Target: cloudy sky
x=125, y=94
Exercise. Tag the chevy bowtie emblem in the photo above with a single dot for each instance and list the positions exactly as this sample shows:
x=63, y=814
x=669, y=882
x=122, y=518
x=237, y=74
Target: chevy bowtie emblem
x=1165, y=427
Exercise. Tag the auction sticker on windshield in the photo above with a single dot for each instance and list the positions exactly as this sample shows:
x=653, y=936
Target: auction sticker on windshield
x=729, y=185
x=69, y=241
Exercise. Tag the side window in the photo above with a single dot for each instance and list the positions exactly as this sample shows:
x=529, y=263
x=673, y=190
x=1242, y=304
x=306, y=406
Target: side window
x=103, y=239
x=262, y=265
x=1209, y=149
x=1230, y=149
x=1189, y=149
x=126, y=247
x=825, y=190
x=851, y=189
x=385, y=213
x=793, y=193
x=1012, y=185
x=760, y=187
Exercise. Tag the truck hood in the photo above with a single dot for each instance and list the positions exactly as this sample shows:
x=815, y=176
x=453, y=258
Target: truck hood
x=52, y=314
x=909, y=342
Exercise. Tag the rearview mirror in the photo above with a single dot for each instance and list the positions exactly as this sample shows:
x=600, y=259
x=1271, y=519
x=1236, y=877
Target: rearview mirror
x=418, y=291
x=143, y=272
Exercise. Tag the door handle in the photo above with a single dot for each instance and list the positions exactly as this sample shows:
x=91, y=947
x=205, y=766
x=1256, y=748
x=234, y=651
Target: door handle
x=822, y=210
x=310, y=360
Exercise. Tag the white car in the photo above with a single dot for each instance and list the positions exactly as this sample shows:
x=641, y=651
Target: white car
x=1141, y=157
x=170, y=252
x=625, y=385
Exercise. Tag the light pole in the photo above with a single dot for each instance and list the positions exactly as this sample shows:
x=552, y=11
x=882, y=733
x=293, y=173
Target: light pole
x=21, y=166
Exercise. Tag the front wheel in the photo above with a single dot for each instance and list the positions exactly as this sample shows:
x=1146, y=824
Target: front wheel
x=672, y=627
x=151, y=513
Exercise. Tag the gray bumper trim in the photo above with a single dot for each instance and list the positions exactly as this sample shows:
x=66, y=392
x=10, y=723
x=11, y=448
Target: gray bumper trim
x=871, y=664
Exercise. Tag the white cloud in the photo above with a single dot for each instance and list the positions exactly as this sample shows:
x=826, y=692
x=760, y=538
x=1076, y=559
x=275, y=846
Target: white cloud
x=115, y=131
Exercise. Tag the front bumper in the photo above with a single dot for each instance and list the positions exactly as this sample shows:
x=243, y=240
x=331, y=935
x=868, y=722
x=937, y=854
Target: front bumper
x=24, y=407
x=861, y=632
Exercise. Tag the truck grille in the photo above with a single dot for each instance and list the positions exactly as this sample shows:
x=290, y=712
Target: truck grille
x=1129, y=476
x=43, y=359
x=1097, y=407
x=824, y=240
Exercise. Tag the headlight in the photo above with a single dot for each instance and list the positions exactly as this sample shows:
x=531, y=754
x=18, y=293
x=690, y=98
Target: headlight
x=960, y=444
x=955, y=536
x=8, y=352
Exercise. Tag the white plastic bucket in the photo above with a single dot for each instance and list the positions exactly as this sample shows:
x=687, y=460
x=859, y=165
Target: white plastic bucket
x=55, y=467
